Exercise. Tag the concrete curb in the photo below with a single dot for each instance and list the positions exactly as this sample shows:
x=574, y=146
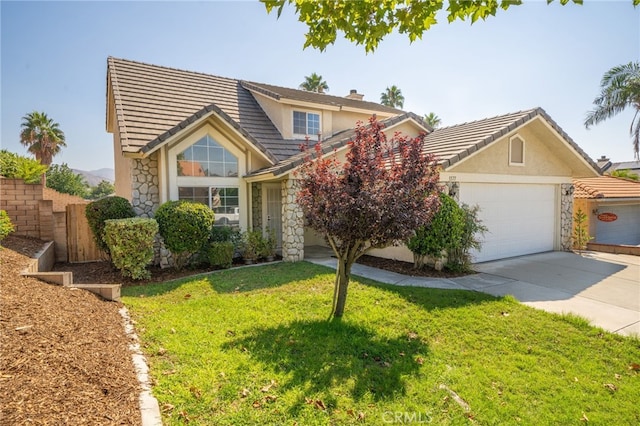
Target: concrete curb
x=149, y=407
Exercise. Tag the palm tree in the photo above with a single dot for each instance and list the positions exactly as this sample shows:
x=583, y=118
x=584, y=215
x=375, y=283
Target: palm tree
x=392, y=97
x=314, y=83
x=432, y=120
x=620, y=88
x=42, y=136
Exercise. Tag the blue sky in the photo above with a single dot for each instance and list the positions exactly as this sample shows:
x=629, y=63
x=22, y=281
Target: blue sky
x=53, y=59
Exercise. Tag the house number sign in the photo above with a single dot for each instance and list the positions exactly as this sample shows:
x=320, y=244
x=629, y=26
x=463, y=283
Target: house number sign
x=607, y=217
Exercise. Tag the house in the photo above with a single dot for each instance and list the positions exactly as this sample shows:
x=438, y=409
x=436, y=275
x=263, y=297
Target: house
x=246, y=136
x=612, y=206
x=606, y=166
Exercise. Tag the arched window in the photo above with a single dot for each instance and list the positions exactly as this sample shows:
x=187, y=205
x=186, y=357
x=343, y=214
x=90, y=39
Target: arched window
x=207, y=158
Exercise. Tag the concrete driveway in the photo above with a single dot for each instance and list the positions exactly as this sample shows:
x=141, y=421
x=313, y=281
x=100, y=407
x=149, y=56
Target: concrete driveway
x=602, y=287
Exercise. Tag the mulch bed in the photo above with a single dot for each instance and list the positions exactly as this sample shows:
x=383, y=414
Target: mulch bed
x=105, y=272
x=406, y=268
x=64, y=356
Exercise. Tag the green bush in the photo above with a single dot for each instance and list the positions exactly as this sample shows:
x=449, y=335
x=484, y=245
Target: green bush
x=185, y=227
x=220, y=254
x=14, y=166
x=130, y=243
x=99, y=211
x=252, y=245
x=441, y=235
x=6, y=227
x=459, y=258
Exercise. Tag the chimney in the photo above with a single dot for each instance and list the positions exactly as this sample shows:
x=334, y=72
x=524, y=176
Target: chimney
x=603, y=158
x=353, y=94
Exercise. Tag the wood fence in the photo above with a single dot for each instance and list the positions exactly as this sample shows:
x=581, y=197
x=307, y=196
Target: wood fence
x=80, y=244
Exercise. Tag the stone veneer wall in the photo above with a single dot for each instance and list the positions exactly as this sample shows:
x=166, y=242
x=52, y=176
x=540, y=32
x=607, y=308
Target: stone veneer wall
x=145, y=191
x=566, y=216
x=256, y=205
x=293, y=223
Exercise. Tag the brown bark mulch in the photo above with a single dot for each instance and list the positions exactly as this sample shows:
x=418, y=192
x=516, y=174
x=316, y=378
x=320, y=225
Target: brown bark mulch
x=64, y=356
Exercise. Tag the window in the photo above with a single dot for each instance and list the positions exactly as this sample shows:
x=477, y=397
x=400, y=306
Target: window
x=224, y=202
x=206, y=158
x=306, y=123
x=516, y=151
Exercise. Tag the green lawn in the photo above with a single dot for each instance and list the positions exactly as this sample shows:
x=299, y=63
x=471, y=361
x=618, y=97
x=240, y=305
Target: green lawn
x=253, y=346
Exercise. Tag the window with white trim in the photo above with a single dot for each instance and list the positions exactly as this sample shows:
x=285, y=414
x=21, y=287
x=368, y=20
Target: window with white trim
x=306, y=123
x=516, y=151
x=207, y=158
x=224, y=202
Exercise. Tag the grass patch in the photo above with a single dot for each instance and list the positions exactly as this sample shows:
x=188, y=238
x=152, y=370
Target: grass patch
x=253, y=346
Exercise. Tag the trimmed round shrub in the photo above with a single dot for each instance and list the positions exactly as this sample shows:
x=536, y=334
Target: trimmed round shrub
x=6, y=227
x=130, y=243
x=97, y=212
x=185, y=227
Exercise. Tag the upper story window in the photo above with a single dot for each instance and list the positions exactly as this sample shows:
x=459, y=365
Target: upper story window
x=207, y=158
x=306, y=123
x=516, y=151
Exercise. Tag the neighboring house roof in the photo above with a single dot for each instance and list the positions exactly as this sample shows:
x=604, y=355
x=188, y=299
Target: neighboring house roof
x=280, y=93
x=633, y=166
x=606, y=187
x=452, y=144
x=190, y=168
x=604, y=163
x=60, y=200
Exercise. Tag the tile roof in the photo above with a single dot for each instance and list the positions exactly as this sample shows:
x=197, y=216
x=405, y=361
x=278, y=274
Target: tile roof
x=633, y=166
x=154, y=102
x=278, y=93
x=606, y=187
x=336, y=141
x=452, y=144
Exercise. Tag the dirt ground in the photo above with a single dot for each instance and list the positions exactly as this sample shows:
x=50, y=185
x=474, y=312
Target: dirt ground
x=64, y=356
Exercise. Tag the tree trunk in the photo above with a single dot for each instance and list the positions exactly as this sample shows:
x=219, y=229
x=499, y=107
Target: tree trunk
x=343, y=274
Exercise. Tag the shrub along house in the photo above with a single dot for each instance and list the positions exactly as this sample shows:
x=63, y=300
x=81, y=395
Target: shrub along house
x=235, y=145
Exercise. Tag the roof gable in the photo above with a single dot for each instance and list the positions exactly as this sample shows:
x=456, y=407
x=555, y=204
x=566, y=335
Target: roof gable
x=455, y=143
x=337, y=141
x=151, y=103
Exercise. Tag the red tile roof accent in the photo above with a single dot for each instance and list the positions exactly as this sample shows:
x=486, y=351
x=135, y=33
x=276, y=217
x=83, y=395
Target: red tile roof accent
x=606, y=187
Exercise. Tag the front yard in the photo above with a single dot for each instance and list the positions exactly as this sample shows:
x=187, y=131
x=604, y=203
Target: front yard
x=253, y=346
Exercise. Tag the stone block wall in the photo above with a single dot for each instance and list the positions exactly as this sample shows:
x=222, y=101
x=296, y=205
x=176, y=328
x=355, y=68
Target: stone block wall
x=292, y=223
x=145, y=189
x=566, y=216
x=30, y=214
x=256, y=205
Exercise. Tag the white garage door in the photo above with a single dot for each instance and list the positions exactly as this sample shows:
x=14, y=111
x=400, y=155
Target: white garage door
x=520, y=218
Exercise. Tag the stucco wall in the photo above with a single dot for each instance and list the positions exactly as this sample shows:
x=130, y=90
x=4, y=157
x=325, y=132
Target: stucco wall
x=539, y=160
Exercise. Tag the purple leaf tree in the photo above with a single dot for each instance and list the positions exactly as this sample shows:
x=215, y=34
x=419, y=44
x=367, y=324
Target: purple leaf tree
x=384, y=190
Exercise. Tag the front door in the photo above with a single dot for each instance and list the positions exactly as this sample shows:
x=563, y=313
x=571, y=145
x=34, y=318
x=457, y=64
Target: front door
x=272, y=209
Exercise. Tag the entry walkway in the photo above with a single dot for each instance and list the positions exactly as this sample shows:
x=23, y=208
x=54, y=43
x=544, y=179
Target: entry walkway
x=601, y=287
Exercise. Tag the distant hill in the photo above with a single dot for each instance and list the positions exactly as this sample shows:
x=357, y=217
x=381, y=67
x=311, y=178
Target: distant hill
x=94, y=177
